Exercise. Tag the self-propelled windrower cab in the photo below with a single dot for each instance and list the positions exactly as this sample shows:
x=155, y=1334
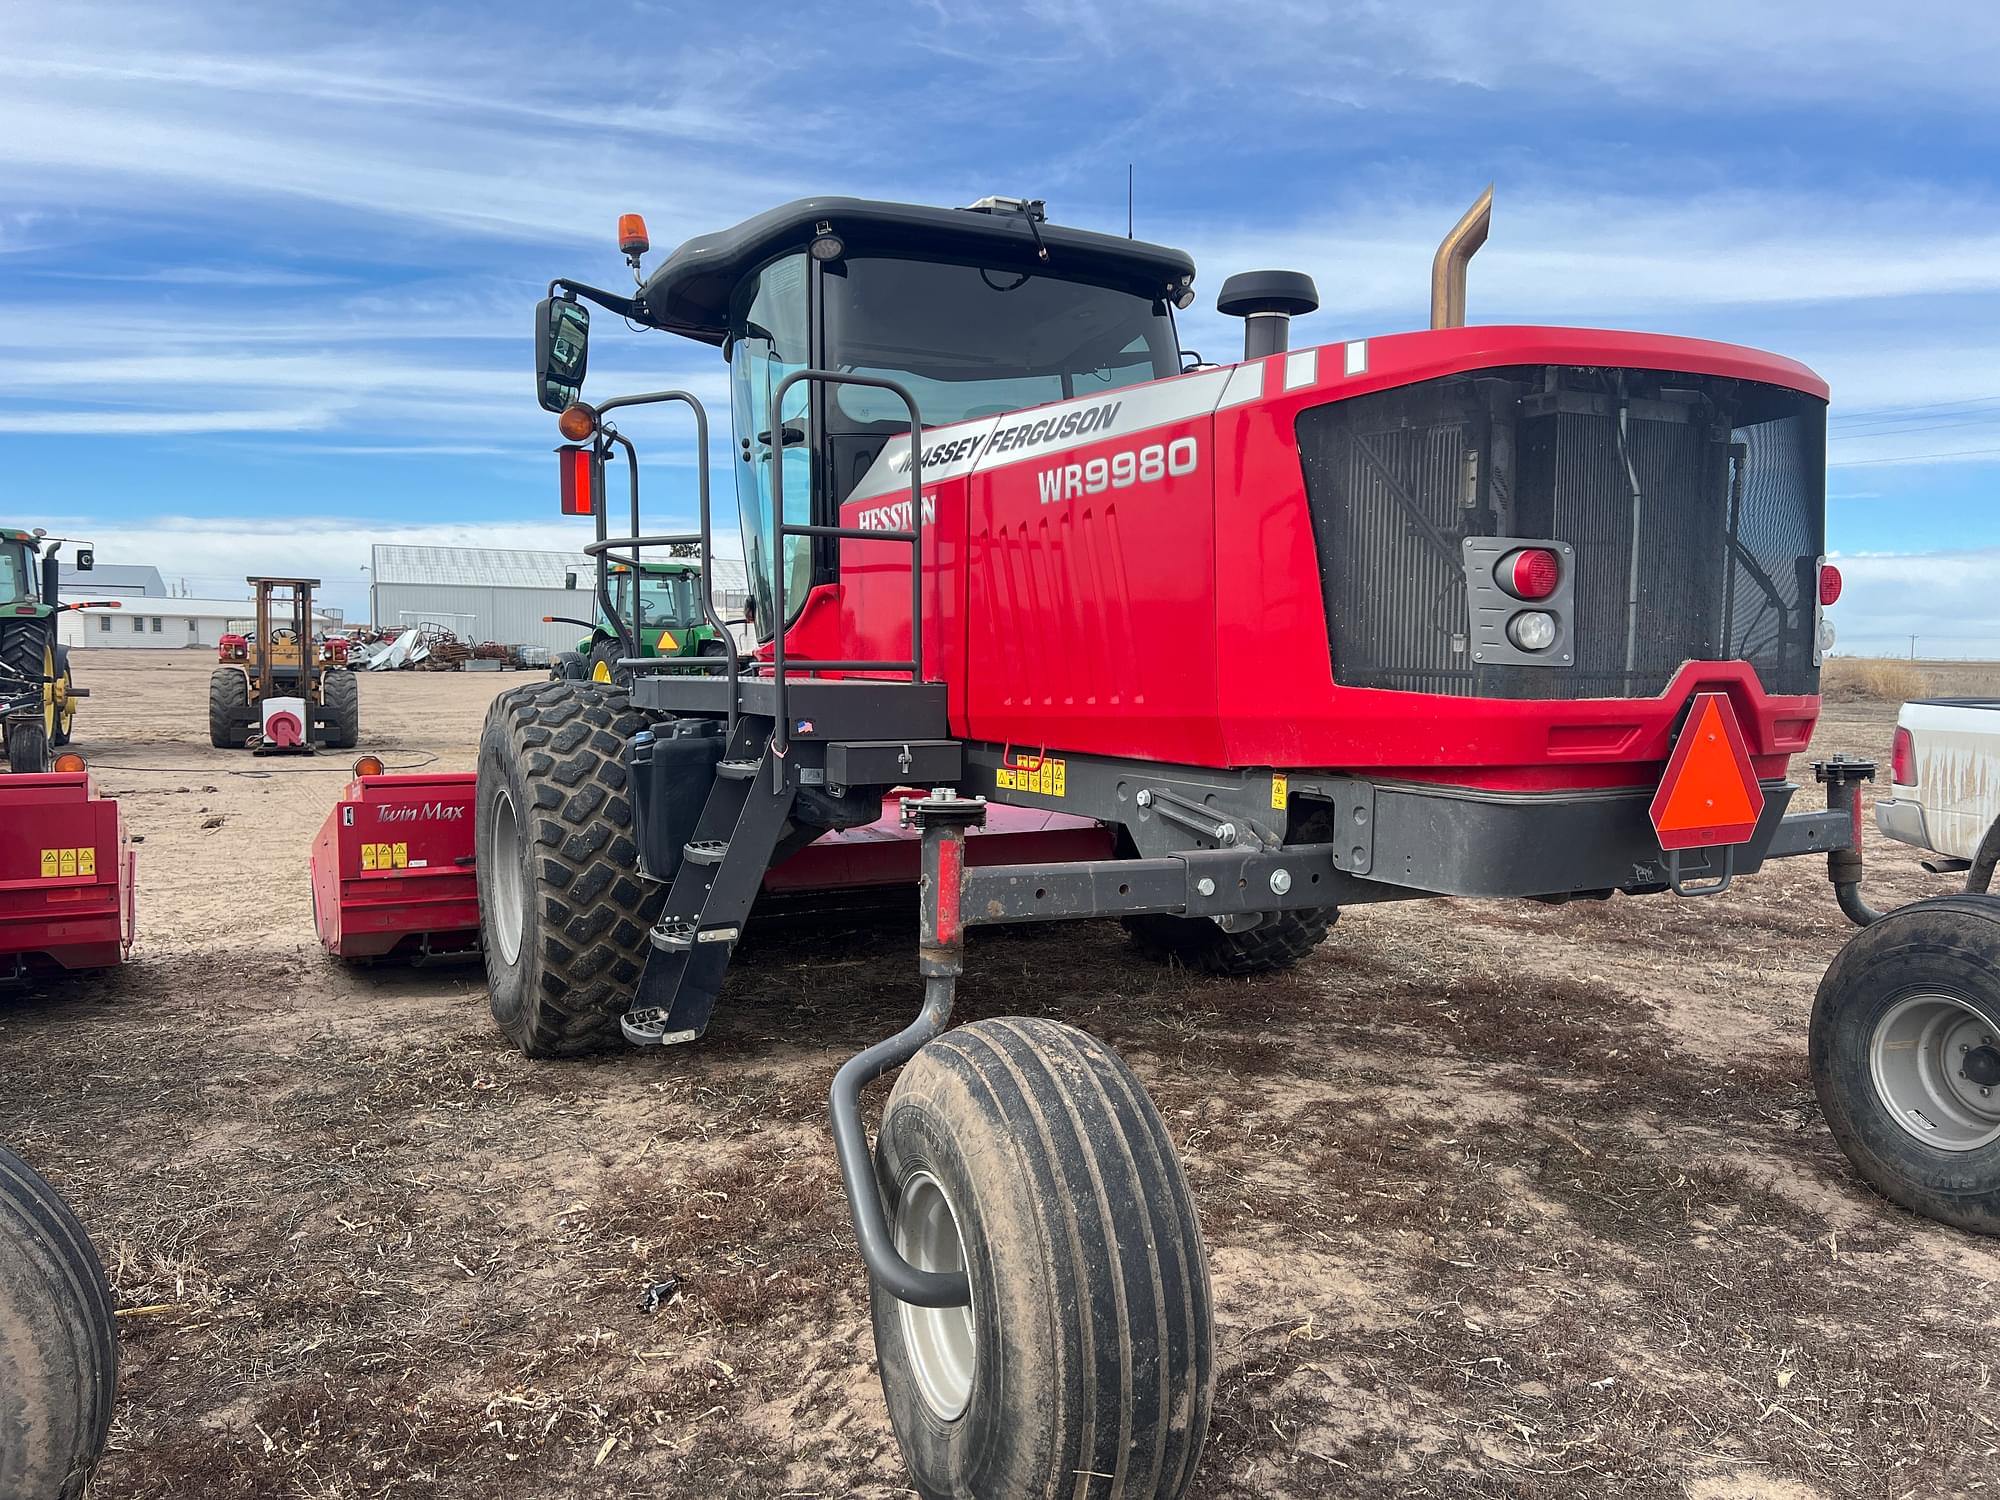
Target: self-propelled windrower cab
x=1496, y=611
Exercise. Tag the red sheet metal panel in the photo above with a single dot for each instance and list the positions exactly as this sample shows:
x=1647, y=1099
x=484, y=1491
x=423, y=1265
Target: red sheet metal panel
x=885, y=853
x=67, y=874
x=393, y=862
x=392, y=865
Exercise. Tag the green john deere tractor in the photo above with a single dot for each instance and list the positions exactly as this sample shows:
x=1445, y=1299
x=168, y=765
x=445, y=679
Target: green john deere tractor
x=667, y=617
x=37, y=698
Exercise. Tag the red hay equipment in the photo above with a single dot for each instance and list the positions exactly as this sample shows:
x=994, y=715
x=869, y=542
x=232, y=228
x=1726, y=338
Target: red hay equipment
x=67, y=874
x=392, y=868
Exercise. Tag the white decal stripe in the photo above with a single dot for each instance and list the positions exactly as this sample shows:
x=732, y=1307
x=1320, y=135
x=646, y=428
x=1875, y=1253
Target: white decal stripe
x=1357, y=357
x=1246, y=383
x=1112, y=414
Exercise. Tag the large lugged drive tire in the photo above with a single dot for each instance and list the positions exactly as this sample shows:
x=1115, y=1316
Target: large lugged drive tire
x=1905, y=1048
x=228, y=708
x=601, y=666
x=26, y=650
x=1279, y=942
x=65, y=704
x=1026, y=1153
x=58, y=1345
x=562, y=910
x=341, y=708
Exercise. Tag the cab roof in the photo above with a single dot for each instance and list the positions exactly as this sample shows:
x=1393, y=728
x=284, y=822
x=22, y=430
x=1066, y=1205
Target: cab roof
x=14, y=534
x=689, y=292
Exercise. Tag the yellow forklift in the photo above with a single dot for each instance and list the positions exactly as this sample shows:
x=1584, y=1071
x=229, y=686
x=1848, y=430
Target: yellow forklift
x=272, y=691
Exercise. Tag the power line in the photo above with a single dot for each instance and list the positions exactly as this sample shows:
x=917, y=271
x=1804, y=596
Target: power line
x=1910, y=458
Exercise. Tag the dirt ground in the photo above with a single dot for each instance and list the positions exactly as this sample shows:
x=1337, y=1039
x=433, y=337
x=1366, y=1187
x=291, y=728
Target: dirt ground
x=1500, y=1200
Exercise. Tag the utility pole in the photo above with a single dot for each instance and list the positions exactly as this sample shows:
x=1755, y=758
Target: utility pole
x=1913, y=648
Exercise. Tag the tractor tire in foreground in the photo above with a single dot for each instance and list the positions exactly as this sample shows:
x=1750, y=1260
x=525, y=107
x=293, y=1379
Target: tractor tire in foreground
x=1905, y=1047
x=58, y=1344
x=1279, y=942
x=1027, y=1154
x=341, y=710
x=562, y=909
x=228, y=709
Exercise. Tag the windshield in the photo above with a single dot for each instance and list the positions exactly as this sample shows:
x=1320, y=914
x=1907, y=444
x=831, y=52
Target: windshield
x=663, y=601
x=970, y=341
x=13, y=572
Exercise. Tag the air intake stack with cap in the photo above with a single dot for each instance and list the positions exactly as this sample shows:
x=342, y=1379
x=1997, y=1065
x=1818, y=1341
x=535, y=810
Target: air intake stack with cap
x=1267, y=301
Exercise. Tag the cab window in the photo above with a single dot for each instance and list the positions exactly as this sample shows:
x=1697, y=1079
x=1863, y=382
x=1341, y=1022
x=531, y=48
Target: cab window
x=13, y=572
x=768, y=340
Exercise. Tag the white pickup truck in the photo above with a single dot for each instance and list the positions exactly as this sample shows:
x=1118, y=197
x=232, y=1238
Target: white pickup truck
x=1944, y=777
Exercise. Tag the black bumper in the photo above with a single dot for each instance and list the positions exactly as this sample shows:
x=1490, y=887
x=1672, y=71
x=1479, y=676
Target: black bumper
x=1455, y=841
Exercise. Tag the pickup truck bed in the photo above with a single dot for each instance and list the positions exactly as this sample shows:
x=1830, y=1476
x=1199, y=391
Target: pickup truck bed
x=1944, y=788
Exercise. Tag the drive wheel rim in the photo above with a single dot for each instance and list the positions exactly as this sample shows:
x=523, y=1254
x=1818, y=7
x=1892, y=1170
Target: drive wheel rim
x=601, y=672
x=1935, y=1062
x=52, y=698
x=941, y=1341
x=508, y=900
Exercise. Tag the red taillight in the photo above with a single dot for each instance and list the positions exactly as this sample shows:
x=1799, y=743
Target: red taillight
x=1530, y=573
x=1829, y=584
x=1903, y=759
x=579, y=481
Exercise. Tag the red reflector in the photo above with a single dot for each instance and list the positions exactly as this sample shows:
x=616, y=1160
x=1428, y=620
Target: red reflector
x=1829, y=584
x=1709, y=794
x=1531, y=573
x=578, y=487
x=1903, y=759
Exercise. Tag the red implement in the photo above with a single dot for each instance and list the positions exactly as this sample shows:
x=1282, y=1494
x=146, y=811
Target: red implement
x=392, y=866
x=67, y=875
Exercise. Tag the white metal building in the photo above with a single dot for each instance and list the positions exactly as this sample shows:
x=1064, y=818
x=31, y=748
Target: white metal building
x=498, y=594
x=155, y=622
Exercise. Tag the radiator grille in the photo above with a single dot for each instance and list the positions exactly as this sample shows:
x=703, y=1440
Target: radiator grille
x=1721, y=482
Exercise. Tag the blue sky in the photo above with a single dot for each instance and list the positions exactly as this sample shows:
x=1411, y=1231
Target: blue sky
x=269, y=269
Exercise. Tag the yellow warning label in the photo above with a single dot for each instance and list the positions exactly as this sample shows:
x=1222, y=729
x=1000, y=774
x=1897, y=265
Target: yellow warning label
x=57, y=863
x=1280, y=785
x=367, y=856
x=1046, y=778
x=402, y=856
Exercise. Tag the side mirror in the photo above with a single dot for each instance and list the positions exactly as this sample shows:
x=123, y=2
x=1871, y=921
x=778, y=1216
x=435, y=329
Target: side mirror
x=569, y=580
x=562, y=351
x=86, y=559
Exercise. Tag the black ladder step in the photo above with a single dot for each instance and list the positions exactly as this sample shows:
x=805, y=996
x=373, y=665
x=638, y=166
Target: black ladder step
x=681, y=936
x=738, y=770
x=646, y=1026
x=706, y=851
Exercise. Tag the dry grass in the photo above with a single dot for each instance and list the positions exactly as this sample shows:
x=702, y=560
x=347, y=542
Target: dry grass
x=1877, y=679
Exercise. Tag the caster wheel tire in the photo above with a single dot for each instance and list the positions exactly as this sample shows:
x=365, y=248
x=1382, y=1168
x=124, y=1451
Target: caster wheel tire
x=1278, y=942
x=1027, y=1154
x=1905, y=1048
x=58, y=1345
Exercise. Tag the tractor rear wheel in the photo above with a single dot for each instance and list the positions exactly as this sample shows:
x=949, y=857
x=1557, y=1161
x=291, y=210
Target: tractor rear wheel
x=340, y=702
x=602, y=664
x=562, y=909
x=1026, y=1154
x=65, y=704
x=1278, y=942
x=58, y=1344
x=228, y=708
x=28, y=650
x=1905, y=1050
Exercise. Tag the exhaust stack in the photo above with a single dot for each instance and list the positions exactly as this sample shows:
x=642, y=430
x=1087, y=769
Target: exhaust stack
x=1453, y=256
x=1267, y=301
